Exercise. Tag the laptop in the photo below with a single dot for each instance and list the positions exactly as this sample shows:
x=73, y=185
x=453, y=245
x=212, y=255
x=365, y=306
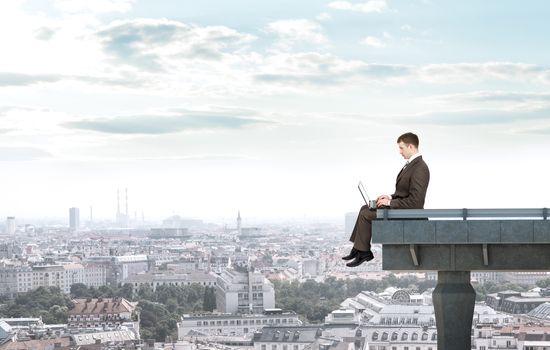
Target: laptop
x=364, y=194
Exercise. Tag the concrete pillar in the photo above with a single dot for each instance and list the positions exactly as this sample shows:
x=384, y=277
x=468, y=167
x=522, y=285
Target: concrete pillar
x=454, y=300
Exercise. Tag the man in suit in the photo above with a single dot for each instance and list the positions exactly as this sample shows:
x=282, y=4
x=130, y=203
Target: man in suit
x=410, y=192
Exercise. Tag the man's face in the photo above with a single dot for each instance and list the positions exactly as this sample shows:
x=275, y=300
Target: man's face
x=406, y=150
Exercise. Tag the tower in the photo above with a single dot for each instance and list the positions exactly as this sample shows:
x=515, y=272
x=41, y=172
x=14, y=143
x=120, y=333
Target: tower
x=117, y=204
x=239, y=220
x=74, y=218
x=10, y=225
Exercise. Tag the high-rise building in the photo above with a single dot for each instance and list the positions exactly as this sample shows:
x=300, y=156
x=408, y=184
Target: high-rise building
x=244, y=292
x=10, y=225
x=239, y=223
x=74, y=218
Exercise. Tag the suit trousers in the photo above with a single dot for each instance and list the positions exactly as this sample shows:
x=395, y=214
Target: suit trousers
x=362, y=231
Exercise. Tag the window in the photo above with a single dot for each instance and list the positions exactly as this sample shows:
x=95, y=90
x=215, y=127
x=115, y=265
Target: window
x=274, y=347
x=295, y=347
x=394, y=336
x=424, y=336
x=434, y=336
x=375, y=336
x=384, y=336
x=405, y=336
x=414, y=336
x=263, y=347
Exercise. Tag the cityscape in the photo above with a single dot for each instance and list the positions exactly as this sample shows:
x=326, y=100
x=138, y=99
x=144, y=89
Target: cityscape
x=184, y=283
x=184, y=175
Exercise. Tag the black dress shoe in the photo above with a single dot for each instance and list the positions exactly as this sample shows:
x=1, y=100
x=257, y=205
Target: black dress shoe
x=361, y=258
x=352, y=254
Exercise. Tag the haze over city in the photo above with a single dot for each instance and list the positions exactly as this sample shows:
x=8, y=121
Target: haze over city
x=275, y=109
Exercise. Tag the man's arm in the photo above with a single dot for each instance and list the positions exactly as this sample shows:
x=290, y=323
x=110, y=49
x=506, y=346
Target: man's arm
x=417, y=191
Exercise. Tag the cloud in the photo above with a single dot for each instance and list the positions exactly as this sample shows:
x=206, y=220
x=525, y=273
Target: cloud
x=323, y=17
x=22, y=154
x=366, y=7
x=44, y=33
x=540, y=130
x=325, y=69
x=150, y=43
x=95, y=6
x=476, y=117
x=497, y=96
x=484, y=71
x=165, y=124
x=373, y=41
x=18, y=79
x=293, y=31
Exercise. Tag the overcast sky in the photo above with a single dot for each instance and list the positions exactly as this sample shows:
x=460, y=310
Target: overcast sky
x=276, y=108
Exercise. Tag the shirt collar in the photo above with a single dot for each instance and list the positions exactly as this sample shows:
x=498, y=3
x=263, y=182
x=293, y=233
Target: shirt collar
x=413, y=157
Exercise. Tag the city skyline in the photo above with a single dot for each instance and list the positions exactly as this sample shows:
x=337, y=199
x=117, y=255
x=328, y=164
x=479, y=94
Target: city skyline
x=274, y=109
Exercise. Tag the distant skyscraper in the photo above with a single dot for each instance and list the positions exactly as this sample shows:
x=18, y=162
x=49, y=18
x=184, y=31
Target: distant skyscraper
x=239, y=220
x=74, y=218
x=10, y=225
x=350, y=222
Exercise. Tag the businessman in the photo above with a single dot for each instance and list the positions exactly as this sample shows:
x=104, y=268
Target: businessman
x=410, y=192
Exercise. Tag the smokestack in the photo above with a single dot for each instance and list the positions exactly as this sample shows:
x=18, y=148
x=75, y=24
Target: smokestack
x=127, y=204
x=117, y=202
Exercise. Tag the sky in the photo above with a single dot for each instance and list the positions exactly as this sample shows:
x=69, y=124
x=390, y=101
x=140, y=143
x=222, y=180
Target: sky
x=276, y=109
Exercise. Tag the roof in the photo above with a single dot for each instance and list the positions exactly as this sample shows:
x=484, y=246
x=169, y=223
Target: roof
x=541, y=312
x=41, y=344
x=288, y=334
x=101, y=306
x=104, y=337
x=5, y=327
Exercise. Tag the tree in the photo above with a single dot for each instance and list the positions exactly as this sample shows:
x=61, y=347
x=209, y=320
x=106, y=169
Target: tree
x=209, y=300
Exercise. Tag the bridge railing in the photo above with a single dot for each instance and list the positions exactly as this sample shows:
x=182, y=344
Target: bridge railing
x=464, y=214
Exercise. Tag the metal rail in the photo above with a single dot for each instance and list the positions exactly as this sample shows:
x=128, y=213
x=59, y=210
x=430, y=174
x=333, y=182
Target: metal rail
x=464, y=214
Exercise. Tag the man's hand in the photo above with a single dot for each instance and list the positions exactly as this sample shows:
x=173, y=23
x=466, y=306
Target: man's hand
x=383, y=200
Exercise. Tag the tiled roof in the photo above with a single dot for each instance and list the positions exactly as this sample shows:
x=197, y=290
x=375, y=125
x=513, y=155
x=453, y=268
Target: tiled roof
x=101, y=306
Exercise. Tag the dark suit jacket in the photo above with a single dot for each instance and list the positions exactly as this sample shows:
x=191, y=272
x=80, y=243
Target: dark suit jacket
x=411, y=186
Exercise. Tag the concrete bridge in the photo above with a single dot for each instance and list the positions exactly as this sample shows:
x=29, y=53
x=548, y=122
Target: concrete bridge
x=455, y=242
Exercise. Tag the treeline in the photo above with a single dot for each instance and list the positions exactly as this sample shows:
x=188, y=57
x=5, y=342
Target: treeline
x=313, y=300
x=159, y=310
x=46, y=302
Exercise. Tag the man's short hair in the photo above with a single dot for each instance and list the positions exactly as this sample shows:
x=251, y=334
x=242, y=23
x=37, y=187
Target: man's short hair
x=409, y=138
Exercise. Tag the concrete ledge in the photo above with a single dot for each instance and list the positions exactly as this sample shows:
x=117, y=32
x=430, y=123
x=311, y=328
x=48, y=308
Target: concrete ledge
x=461, y=231
x=467, y=257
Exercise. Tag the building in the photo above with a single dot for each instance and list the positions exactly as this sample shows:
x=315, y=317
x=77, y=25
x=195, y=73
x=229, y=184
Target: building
x=516, y=337
x=513, y=302
x=23, y=279
x=105, y=313
x=171, y=278
x=74, y=219
x=6, y=332
x=286, y=338
x=409, y=337
x=10, y=225
x=233, y=324
x=527, y=278
x=243, y=291
x=120, y=268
